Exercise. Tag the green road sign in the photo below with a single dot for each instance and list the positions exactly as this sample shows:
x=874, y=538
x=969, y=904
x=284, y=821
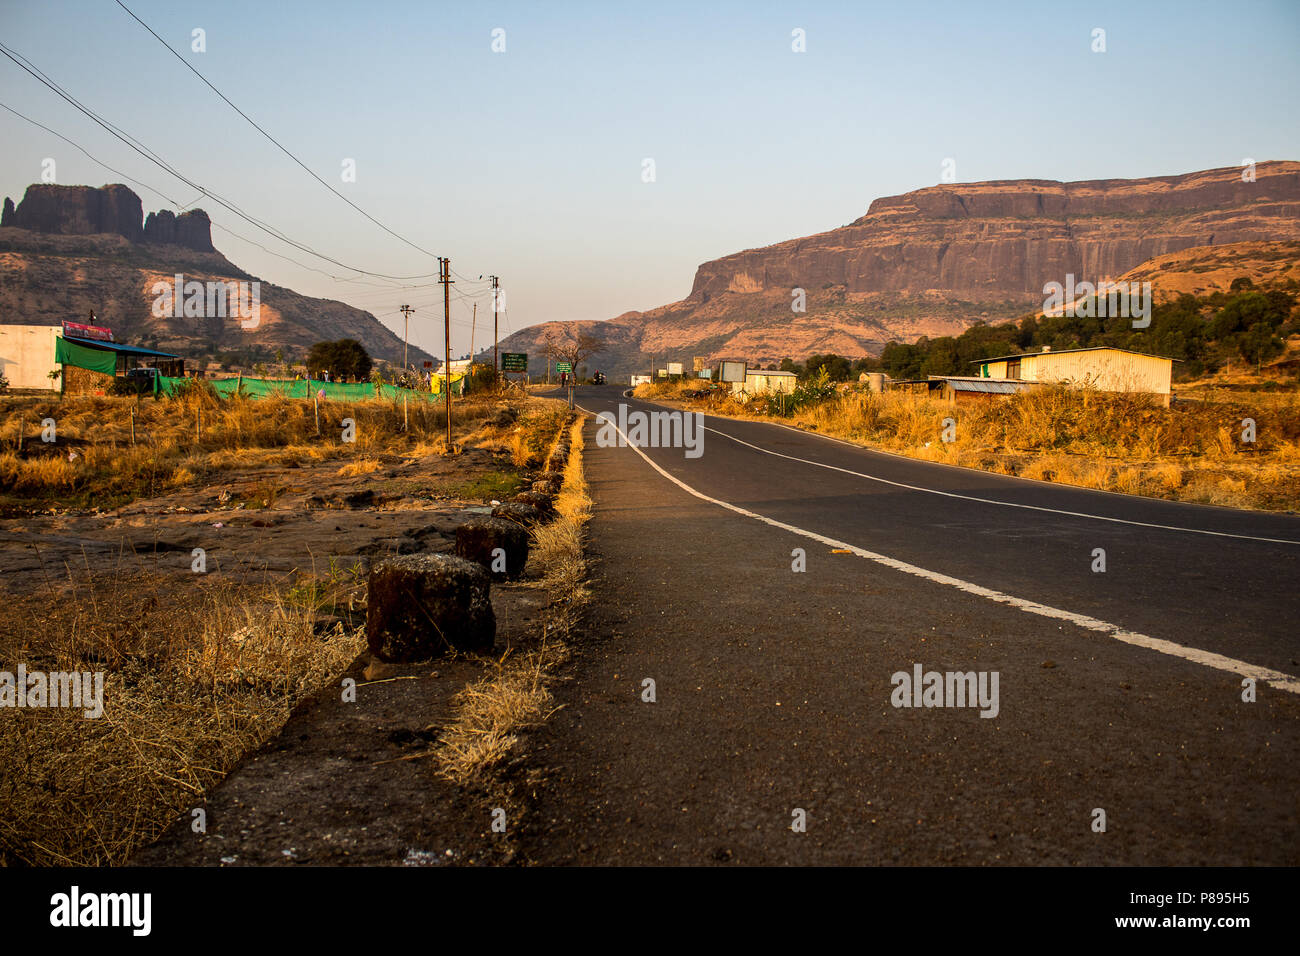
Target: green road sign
x=514, y=361
x=563, y=367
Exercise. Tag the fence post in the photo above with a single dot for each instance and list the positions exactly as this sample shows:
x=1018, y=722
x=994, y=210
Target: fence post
x=132, y=426
x=315, y=400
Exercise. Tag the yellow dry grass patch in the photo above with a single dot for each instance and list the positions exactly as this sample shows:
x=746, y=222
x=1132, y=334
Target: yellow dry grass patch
x=1126, y=443
x=95, y=457
x=362, y=466
x=491, y=712
x=189, y=688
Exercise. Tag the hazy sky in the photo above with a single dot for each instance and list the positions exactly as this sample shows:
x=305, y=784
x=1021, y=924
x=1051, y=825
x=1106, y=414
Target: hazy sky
x=528, y=163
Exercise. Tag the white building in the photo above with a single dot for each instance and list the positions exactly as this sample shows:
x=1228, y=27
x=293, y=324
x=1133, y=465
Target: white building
x=1105, y=368
x=27, y=355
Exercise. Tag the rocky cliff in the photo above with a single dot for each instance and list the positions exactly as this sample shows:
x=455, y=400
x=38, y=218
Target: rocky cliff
x=934, y=261
x=68, y=250
x=107, y=210
x=1013, y=236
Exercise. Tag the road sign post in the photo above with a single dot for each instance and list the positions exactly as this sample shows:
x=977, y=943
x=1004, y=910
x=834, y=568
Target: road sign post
x=562, y=368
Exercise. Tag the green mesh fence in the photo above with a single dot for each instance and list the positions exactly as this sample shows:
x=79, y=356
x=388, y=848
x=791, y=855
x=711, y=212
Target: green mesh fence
x=306, y=388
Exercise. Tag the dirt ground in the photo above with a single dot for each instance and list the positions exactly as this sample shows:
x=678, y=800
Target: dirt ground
x=353, y=783
x=316, y=522
x=299, y=535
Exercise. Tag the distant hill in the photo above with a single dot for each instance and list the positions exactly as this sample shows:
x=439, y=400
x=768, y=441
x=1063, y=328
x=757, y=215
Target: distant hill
x=1203, y=270
x=68, y=250
x=938, y=260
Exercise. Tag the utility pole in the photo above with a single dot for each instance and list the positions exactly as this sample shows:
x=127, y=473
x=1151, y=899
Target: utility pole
x=406, y=311
x=496, y=374
x=445, y=279
x=473, y=322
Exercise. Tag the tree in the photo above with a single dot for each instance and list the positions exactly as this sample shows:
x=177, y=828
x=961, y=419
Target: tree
x=901, y=360
x=837, y=367
x=1258, y=344
x=941, y=358
x=346, y=358
x=575, y=350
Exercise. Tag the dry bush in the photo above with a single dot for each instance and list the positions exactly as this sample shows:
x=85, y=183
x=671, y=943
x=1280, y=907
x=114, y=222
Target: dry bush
x=190, y=687
x=490, y=713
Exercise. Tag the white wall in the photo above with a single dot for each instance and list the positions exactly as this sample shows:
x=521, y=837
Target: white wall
x=759, y=382
x=27, y=355
x=1109, y=370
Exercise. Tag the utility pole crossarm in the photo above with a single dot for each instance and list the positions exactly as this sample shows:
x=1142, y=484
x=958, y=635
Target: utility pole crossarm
x=406, y=311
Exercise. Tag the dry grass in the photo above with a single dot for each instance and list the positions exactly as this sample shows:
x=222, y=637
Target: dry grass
x=193, y=684
x=1127, y=443
x=491, y=712
x=190, y=687
x=362, y=466
x=179, y=440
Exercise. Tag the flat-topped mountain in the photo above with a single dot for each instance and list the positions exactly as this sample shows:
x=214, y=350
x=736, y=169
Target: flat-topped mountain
x=936, y=260
x=68, y=250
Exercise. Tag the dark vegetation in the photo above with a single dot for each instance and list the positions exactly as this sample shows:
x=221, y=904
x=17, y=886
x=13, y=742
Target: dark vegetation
x=344, y=359
x=1204, y=333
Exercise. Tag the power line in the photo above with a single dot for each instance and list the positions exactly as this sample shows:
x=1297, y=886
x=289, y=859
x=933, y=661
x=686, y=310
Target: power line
x=386, y=289
x=277, y=143
x=164, y=165
x=153, y=157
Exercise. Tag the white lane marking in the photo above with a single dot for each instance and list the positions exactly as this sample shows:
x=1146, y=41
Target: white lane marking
x=1274, y=678
x=1005, y=504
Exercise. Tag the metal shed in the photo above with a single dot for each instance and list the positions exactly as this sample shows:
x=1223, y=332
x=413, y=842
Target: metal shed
x=1105, y=367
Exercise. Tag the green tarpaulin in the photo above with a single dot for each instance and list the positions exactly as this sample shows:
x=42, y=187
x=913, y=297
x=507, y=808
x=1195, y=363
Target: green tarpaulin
x=303, y=388
x=97, y=360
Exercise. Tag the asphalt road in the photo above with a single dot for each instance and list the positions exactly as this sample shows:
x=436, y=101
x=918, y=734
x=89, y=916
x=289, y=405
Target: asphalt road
x=775, y=691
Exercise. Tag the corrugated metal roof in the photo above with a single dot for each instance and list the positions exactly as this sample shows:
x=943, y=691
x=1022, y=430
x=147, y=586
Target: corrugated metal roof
x=119, y=347
x=994, y=385
x=1091, y=348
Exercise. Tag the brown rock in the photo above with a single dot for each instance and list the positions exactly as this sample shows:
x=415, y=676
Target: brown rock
x=80, y=210
x=191, y=229
x=543, y=503
x=423, y=606
x=494, y=543
x=517, y=512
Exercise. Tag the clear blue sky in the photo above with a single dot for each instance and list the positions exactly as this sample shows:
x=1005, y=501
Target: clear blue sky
x=528, y=163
